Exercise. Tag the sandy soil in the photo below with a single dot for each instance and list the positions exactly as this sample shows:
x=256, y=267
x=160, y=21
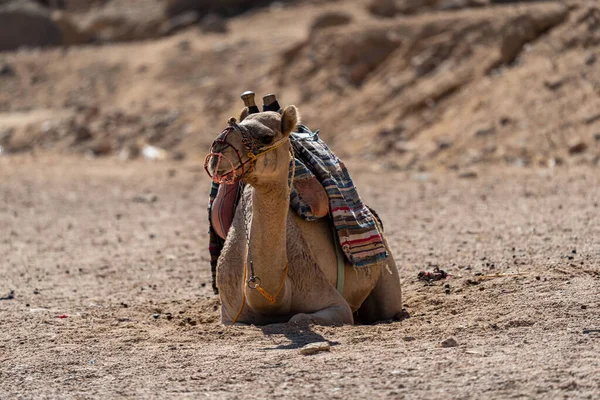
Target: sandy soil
x=112, y=293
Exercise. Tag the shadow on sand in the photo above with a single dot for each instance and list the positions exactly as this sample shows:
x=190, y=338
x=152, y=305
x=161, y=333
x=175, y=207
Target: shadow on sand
x=299, y=335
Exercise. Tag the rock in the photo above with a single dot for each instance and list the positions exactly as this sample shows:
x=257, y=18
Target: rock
x=100, y=147
x=450, y=342
x=408, y=338
x=213, y=23
x=204, y=7
x=554, y=84
x=82, y=133
x=329, y=19
x=391, y=8
x=444, y=143
x=71, y=33
x=488, y=131
x=468, y=175
x=26, y=24
x=313, y=348
x=383, y=8
x=578, y=148
x=7, y=70
x=153, y=153
x=514, y=38
x=597, y=137
x=591, y=119
x=179, y=22
x=526, y=28
x=590, y=59
x=116, y=24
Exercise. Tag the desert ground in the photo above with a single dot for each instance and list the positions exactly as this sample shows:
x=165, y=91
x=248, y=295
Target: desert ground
x=118, y=250
x=472, y=127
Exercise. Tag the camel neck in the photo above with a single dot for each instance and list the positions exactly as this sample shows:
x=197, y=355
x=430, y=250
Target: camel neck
x=267, y=247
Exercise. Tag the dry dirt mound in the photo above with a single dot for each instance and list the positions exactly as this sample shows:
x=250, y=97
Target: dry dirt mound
x=514, y=83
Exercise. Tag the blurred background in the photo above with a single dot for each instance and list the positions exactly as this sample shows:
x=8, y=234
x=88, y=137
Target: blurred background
x=415, y=85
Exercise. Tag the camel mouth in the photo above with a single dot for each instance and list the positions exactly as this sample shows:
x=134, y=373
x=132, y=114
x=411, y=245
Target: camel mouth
x=224, y=163
x=221, y=169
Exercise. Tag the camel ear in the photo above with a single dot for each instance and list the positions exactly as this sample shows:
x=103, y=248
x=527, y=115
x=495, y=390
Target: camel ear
x=245, y=112
x=289, y=119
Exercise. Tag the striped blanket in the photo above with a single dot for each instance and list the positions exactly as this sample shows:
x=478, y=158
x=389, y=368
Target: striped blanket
x=354, y=222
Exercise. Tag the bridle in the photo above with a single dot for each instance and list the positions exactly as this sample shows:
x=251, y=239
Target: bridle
x=250, y=143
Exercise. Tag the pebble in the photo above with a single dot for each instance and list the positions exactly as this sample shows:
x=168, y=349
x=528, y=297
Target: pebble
x=7, y=70
x=313, y=348
x=554, y=84
x=450, y=342
x=578, y=148
x=468, y=175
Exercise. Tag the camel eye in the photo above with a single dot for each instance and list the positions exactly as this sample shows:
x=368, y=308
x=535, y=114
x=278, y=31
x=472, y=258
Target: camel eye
x=264, y=140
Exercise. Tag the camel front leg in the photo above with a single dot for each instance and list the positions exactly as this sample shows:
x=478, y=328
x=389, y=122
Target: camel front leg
x=334, y=315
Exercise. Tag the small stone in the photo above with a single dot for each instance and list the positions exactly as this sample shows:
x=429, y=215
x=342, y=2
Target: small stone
x=590, y=59
x=583, y=307
x=578, y=148
x=313, y=348
x=408, y=338
x=399, y=372
x=468, y=175
x=329, y=19
x=155, y=316
x=450, y=342
x=184, y=45
x=554, y=84
x=485, y=131
x=592, y=119
x=179, y=22
x=100, y=147
x=213, y=23
x=7, y=70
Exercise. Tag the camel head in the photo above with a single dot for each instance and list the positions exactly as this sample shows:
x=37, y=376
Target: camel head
x=256, y=149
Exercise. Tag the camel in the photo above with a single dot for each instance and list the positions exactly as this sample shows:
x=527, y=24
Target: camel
x=294, y=261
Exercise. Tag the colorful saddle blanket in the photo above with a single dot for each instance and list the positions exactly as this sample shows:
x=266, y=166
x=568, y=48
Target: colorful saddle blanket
x=354, y=222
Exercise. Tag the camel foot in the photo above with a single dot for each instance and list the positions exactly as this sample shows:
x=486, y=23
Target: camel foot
x=337, y=315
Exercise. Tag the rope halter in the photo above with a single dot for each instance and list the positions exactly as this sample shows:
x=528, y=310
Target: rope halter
x=221, y=144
